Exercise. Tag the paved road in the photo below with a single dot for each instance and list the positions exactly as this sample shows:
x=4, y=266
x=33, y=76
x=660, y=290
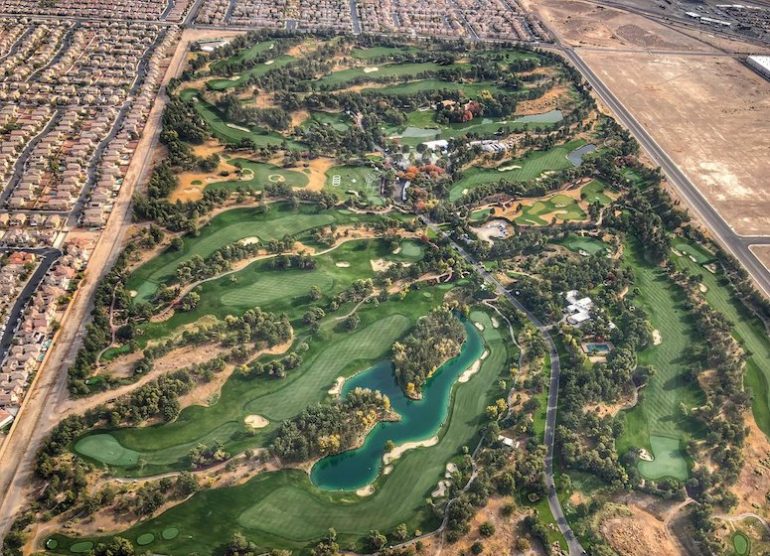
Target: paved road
x=575, y=549
x=731, y=241
x=354, y=17
x=50, y=256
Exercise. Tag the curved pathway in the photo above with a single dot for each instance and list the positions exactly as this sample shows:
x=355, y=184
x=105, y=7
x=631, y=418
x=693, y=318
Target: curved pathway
x=575, y=549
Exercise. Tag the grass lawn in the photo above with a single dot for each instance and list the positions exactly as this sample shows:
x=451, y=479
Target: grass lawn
x=244, y=55
x=257, y=175
x=657, y=417
x=527, y=168
x=283, y=509
x=590, y=245
x=337, y=120
x=358, y=181
x=695, y=252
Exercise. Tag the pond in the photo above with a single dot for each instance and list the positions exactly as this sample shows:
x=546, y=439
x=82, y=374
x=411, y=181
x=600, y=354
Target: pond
x=576, y=156
x=551, y=117
x=420, y=419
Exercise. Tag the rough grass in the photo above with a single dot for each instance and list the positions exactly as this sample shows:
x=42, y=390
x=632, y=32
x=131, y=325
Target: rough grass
x=257, y=71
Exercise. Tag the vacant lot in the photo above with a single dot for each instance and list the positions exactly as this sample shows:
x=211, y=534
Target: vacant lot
x=711, y=115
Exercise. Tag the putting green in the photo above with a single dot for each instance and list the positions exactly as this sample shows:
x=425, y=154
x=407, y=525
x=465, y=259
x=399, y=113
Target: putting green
x=80, y=547
x=740, y=544
x=169, y=533
x=590, y=245
x=669, y=460
x=104, y=448
x=145, y=539
x=50, y=544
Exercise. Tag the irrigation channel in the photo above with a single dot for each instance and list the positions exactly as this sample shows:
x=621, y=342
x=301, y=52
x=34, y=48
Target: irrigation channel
x=420, y=419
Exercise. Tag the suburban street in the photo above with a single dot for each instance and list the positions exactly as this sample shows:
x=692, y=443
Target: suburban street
x=575, y=549
x=735, y=244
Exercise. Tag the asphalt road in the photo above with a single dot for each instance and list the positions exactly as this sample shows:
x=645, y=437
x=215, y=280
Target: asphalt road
x=725, y=235
x=575, y=549
x=50, y=256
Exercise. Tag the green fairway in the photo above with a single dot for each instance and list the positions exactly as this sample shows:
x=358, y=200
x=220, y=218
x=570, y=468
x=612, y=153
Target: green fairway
x=257, y=71
x=471, y=90
x=695, y=252
x=374, y=73
x=337, y=120
x=658, y=413
x=227, y=228
x=232, y=134
x=284, y=509
x=527, y=168
x=589, y=245
x=362, y=182
x=593, y=192
x=559, y=207
x=670, y=460
x=244, y=55
x=749, y=330
x=106, y=449
x=256, y=175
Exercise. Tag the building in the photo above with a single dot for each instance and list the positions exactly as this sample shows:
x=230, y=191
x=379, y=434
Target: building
x=760, y=64
x=578, y=310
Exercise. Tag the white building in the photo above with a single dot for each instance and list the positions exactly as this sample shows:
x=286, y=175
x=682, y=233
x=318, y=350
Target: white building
x=760, y=64
x=578, y=310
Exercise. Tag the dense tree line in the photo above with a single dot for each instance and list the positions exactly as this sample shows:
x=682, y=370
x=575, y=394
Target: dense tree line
x=325, y=429
x=436, y=338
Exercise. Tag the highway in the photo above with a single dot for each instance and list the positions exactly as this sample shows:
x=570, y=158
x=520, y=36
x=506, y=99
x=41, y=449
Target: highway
x=575, y=549
x=724, y=234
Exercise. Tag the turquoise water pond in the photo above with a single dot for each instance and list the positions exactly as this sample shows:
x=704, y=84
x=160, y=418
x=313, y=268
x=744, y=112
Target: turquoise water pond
x=420, y=419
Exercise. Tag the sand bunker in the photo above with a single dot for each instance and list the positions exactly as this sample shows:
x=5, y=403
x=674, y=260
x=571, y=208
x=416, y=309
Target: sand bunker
x=473, y=369
x=657, y=339
x=381, y=265
x=251, y=240
x=508, y=167
x=441, y=489
x=495, y=323
x=337, y=388
x=342, y=264
x=365, y=491
x=703, y=288
x=387, y=470
x=479, y=326
x=644, y=455
x=256, y=421
x=371, y=69
x=239, y=128
x=398, y=451
x=451, y=469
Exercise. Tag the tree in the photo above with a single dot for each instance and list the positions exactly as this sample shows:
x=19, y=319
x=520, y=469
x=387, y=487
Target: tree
x=401, y=532
x=116, y=547
x=177, y=244
x=487, y=529
x=375, y=540
x=315, y=293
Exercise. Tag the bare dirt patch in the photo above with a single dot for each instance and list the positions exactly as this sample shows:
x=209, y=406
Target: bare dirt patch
x=754, y=480
x=719, y=136
x=299, y=117
x=554, y=98
x=317, y=176
x=633, y=531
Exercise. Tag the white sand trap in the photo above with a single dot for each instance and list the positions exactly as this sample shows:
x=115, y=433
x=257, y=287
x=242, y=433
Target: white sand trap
x=387, y=470
x=397, y=250
x=703, y=288
x=342, y=264
x=276, y=178
x=509, y=167
x=251, y=240
x=133, y=293
x=239, y=128
x=269, y=62
x=644, y=455
x=495, y=322
x=371, y=69
x=337, y=388
x=465, y=191
x=381, y=265
x=657, y=339
x=451, y=469
x=398, y=451
x=365, y=491
x=441, y=488
x=470, y=371
x=479, y=326
x=256, y=421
